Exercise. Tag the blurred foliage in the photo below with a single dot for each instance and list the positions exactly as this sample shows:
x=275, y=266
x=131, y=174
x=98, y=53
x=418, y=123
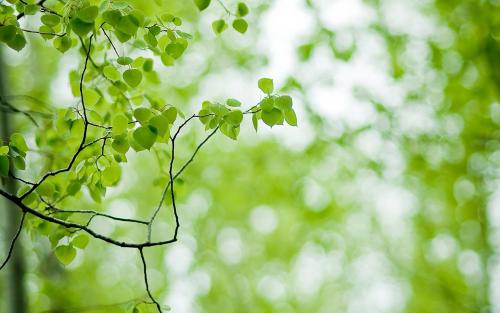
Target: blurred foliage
x=392, y=210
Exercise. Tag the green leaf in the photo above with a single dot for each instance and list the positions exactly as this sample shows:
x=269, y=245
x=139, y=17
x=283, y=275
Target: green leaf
x=167, y=17
x=155, y=30
x=80, y=27
x=91, y=97
x=240, y=25
x=170, y=114
x=242, y=9
x=96, y=192
x=290, y=117
x=124, y=60
x=233, y=103
x=271, y=118
x=219, y=26
x=167, y=60
x=284, y=103
x=267, y=104
x=230, y=131
x=255, y=121
x=142, y=115
x=19, y=163
x=111, y=73
x=80, y=241
x=133, y=143
x=50, y=20
x=161, y=123
x=18, y=144
x=4, y=150
x=46, y=189
x=119, y=124
x=128, y=25
x=177, y=21
x=150, y=39
x=120, y=144
x=202, y=4
x=112, y=17
x=65, y=254
x=4, y=165
x=62, y=44
x=148, y=65
x=73, y=187
x=214, y=122
x=88, y=14
x=266, y=85
x=46, y=29
x=205, y=116
x=132, y=77
x=111, y=175
x=31, y=9
x=122, y=37
x=177, y=48
x=17, y=42
x=145, y=136
x=7, y=32
x=234, y=117
x=218, y=109
x=137, y=17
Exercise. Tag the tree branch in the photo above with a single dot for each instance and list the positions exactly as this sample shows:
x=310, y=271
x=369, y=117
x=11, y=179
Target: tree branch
x=13, y=243
x=84, y=136
x=155, y=213
x=144, y=267
x=13, y=109
x=43, y=8
x=18, y=202
x=109, y=39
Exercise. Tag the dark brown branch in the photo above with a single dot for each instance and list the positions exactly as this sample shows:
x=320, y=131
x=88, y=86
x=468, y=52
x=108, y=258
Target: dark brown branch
x=18, y=202
x=84, y=136
x=100, y=126
x=162, y=199
x=11, y=175
x=99, y=68
x=99, y=307
x=96, y=141
x=13, y=243
x=13, y=109
x=42, y=33
x=144, y=267
x=151, y=221
x=43, y=8
x=172, y=193
x=102, y=152
x=195, y=152
x=111, y=42
x=95, y=213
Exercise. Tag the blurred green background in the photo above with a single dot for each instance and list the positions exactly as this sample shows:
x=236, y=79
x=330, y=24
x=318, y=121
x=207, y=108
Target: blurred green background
x=385, y=199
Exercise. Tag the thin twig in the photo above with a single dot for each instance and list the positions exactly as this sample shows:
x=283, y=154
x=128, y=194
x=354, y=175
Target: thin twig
x=155, y=213
x=95, y=213
x=11, y=175
x=84, y=136
x=42, y=33
x=224, y=7
x=111, y=42
x=43, y=8
x=16, y=110
x=13, y=243
x=144, y=267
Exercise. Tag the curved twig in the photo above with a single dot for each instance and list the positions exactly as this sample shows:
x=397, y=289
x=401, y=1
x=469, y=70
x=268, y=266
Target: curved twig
x=144, y=267
x=13, y=243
